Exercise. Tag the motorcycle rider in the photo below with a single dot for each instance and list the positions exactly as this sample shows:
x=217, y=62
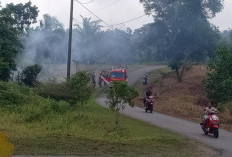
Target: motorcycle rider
x=147, y=94
x=144, y=79
x=209, y=110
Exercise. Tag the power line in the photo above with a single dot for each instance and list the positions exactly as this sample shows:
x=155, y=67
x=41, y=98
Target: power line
x=107, y=6
x=77, y=21
x=92, y=12
x=87, y=2
x=107, y=25
x=128, y=21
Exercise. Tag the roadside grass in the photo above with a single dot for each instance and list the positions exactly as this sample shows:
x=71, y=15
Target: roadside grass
x=184, y=100
x=90, y=131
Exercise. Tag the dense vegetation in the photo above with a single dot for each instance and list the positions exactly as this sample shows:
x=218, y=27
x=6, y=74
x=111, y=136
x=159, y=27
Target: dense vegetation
x=219, y=82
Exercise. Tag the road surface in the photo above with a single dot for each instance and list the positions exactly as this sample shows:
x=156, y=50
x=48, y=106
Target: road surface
x=184, y=127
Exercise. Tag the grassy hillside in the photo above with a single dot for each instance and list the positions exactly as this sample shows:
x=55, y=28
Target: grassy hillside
x=39, y=126
x=185, y=100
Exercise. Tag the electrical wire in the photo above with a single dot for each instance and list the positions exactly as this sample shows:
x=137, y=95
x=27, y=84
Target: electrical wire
x=128, y=21
x=106, y=24
x=107, y=6
x=87, y=2
x=77, y=21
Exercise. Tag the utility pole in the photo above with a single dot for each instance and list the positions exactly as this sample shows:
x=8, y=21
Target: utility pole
x=70, y=41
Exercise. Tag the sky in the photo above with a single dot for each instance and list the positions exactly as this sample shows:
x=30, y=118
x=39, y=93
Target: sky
x=112, y=12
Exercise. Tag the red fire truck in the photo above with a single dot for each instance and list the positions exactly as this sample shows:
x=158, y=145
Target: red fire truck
x=118, y=73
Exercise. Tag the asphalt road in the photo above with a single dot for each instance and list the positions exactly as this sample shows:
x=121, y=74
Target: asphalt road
x=184, y=127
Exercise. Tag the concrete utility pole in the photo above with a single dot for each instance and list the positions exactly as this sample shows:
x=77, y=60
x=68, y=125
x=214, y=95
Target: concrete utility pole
x=70, y=42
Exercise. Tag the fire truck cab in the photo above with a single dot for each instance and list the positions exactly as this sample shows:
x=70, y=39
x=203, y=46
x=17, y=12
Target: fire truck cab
x=118, y=73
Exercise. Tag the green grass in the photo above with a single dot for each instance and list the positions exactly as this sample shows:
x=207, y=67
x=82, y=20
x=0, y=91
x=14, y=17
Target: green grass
x=90, y=131
x=42, y=126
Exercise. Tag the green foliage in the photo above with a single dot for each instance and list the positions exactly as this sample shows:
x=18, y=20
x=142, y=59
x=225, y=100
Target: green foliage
x=181, y=30
x=52, y=89
x=30, y=73
x=120, y=94
x=77, y=90
x=80, y=87
x=219, y=81
x=23, y=100
x=24, y=15
x=36, y=111
x=10, y=45
x=11, y=94
x=89, y=132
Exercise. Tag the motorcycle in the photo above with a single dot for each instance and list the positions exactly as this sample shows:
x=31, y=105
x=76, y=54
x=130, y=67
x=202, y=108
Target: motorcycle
x=149, y=104
x=144, y=79
x=211, y=125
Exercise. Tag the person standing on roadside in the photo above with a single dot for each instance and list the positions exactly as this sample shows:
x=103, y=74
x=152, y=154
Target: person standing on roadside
x=100, y=80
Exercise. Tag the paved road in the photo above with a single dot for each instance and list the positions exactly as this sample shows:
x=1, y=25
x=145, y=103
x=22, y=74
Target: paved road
x=187, y=128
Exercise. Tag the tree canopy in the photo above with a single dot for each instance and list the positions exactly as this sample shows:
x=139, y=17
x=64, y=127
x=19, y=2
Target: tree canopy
x=10, y=44
x=181, y=30
x=24, y=14
x=219, y=81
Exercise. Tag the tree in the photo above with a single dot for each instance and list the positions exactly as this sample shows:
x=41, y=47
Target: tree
x=219, y=80
x=10, y=44
x=24, y=14
x=30, y=74
x=186, y=34
x=118, y=95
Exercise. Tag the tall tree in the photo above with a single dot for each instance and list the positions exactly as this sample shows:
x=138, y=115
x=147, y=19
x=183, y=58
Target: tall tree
x=24, y=14
x=186, y=32
x=10, y=45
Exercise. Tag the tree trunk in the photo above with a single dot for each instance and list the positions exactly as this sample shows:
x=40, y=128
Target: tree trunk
x=179, y=75
x=117, y=117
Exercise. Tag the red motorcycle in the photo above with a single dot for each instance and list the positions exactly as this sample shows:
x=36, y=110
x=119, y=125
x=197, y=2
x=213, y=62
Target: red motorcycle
x=149, y=103
x=211, y=125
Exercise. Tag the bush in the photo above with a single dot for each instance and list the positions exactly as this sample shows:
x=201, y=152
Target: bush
x=30, y=73
x=80, y=86
x=52, y=89
x=77, y=90
x=42, y=107
x=12, y=94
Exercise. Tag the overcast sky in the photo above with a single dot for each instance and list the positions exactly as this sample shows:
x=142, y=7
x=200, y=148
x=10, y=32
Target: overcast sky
x=112, y=11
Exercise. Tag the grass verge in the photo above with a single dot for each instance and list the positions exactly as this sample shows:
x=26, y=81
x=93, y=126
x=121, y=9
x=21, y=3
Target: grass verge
x=91, y=131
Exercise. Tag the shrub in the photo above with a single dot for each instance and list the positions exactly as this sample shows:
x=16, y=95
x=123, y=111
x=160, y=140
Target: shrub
x=30, y=73
x=52, y=89
x=80, y=87
x=12, y=94
x=41, y=107
x=76, y=90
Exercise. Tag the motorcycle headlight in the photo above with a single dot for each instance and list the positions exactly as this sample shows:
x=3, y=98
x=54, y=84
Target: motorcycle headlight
x=214, y=117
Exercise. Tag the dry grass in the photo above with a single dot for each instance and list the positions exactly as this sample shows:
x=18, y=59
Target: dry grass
x=187, y=99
